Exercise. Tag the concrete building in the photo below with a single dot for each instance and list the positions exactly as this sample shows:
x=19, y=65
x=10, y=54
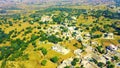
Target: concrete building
x=60, y=49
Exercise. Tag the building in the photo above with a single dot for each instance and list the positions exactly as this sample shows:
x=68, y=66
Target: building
x=66, y=62
x=112, y=47
x=60, y=49
x=77, y=52
x=108, y=35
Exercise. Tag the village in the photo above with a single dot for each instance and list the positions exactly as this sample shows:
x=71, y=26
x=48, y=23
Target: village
x=60, y=38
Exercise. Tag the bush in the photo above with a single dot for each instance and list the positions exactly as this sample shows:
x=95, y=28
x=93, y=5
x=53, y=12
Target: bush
x=76, y=59
x=110, y=66
x=100, y=64
x=54, y=59
x=115, y=58
x=67, y=67
x=73, y=63
x=43, y=62
x=44, y=51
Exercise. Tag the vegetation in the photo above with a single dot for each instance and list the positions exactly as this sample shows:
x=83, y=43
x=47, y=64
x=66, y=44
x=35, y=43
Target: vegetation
x=44, y=51
x=43, y=62
x=29, y=36
x=54, y=59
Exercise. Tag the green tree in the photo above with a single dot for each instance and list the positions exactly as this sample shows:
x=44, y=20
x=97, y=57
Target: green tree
x=67, y=67
x=44, y=51
x=54, y=59
x=100, y=64
x=43, y=62
x=73, y=63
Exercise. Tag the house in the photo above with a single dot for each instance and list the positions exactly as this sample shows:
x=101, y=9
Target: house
x=88, y=64
x=66, y=62
x=46, y=18
x=112, y=47
x=118, y=65
x=108, y=35
x=77, y=52
x=60, y=49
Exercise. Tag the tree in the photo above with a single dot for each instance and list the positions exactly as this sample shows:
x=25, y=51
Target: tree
x=76, y=59
x=115, y=58
x=73, y=63
x=34, y=44
x=67, y=67
x=54, y=59
x=43, y=62
x=44, y=51
x=110, y=66
x=100, y=64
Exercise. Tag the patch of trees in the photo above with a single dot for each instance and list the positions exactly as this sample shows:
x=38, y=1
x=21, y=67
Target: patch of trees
x=28, y=30
x=93, y=60
x=116, y=27
x=10, y=23
x=33, y=37
x=95, y=28
x=100, y=49
x=59, y=18
x=3, y=36
x=116, y=58
x=14, y=8
x=3, y=11
x=36, y=17
x=14, y=51
x=44, y=51
x=50, y=38
x=16, y=16
x=109, y=64
x=75, y=60
x=106, y=13
x=117, y=2
x=96, y=36
x=64, y=29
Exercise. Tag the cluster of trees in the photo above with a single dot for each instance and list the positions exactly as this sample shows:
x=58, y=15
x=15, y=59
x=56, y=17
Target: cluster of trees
x=64, y=29
x=105, y=13
x=14, y=51
x=16, y=16
x=3, y=11
x=100, y=49
x=3, y=36
x=44, y=51
x=96, y=36
x=99, y=64
x=33, y=38
x=75, y=60
x=50, y=38
x=110, y=64
x=116, y=27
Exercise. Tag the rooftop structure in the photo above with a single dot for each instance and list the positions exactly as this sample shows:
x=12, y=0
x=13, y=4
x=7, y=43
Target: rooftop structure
x=60, y=49
x=66, y=62
x=108, y=35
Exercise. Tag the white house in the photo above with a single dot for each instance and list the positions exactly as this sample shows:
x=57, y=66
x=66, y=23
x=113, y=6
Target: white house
x=66, y=62
x=77, y=52
x=60, y=49
x=108, y=35
x=112, y=47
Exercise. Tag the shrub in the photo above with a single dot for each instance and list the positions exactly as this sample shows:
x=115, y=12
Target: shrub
x=43, y=62
x=54, y=59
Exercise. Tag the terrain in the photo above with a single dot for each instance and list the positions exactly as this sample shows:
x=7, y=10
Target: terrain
x=59, y=34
